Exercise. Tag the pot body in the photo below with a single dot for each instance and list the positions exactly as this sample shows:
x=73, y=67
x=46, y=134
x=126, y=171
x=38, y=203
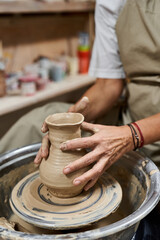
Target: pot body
x=62, y=127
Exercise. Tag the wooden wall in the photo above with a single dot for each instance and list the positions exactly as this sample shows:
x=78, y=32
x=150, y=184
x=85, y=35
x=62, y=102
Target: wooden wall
x=26, y=37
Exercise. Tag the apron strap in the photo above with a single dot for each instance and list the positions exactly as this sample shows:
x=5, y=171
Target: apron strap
x=144, y=82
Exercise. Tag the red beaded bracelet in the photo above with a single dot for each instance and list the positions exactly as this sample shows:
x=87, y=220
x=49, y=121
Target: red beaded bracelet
x=140, y=132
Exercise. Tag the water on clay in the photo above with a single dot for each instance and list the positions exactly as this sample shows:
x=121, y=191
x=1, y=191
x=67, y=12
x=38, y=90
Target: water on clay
x=133, y=196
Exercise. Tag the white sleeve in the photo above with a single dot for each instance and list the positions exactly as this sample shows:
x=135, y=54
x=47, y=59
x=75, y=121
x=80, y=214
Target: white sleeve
x=105, y=60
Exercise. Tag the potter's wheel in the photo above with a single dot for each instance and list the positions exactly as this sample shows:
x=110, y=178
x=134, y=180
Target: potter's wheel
x=32, y=202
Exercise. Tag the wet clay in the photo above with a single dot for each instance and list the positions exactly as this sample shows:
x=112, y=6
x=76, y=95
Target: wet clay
x=23, y=226
x=62, y=127
x=32, y=201
x=7, y=224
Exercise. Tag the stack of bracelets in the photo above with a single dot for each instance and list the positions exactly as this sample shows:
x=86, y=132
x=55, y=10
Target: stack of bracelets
x=138, y=143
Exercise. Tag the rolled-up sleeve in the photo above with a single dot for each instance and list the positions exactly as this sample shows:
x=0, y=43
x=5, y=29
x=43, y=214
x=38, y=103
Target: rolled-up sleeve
x=105, y=60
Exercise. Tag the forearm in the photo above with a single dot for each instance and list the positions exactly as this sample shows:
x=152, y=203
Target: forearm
x=150, y=128
x=102, y=96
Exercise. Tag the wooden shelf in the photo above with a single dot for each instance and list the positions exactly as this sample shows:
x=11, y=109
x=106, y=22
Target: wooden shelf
x=13, y=103
x=33, y=6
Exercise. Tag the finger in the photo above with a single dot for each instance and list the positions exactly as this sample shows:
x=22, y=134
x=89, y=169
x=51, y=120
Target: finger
x=71, y=109
x=103, y=164
x=45, y=146
x=38, y=157
x=86, y=177
x=44, y=127
x=82, y=104
x=90, y=127
x=90, y=184
x=86, y=142
x=82, y=162
x=111, y=160
x=93, y=173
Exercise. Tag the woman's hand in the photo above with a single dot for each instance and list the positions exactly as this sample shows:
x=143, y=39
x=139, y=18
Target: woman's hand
x=107, y=144
x=44, y=149
x=43, y=152
x=81, y=106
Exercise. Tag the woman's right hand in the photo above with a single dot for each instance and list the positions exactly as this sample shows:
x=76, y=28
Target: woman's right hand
x=81, y=107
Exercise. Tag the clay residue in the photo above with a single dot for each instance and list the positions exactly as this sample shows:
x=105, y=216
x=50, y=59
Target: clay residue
x=153, y=172
x=7, y=182
x=6, y=224
x=144, y=163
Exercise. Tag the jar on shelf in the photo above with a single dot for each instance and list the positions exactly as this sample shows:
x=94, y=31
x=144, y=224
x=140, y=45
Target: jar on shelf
x=28, y=85
x=84, y=60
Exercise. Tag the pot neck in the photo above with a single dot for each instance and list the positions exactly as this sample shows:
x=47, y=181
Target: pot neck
x=63, y=133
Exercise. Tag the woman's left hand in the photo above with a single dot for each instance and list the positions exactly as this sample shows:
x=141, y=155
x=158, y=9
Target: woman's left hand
x=107, y=144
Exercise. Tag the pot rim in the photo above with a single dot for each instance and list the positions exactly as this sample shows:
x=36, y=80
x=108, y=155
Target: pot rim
x=64, y=124
x=151, y=200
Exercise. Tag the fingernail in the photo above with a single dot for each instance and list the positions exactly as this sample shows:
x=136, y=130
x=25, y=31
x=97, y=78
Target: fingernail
x=36, y=162
x=85, y=98
x=42, y=128
x=44, y=153
x=63, y=146
x=79, y=149
x=95, y=130
x=77, y=182
x=67, y=170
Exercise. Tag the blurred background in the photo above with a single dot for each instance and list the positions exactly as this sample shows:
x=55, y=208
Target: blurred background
x=45, y=49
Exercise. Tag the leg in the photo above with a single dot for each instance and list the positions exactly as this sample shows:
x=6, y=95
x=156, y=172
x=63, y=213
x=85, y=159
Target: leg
x=27, y=130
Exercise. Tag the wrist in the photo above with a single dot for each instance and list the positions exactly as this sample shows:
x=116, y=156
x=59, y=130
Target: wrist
x=137, y=136
x=141, y=142
x=128, y=138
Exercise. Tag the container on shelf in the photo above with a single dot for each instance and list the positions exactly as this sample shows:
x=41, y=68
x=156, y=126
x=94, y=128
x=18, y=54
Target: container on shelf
x=84, y=60
x=28, y=85
x=83, y=53
x=12, y=83
x=57, y=71
x=73, y=65
x=83, y=39
x=41, y=83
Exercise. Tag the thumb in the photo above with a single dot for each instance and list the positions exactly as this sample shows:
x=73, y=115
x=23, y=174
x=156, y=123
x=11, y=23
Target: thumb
x=90, y=127
x=44, y=127
x=80, y=105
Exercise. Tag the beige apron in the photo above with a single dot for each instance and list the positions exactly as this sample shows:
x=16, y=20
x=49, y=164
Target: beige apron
x=138, y=32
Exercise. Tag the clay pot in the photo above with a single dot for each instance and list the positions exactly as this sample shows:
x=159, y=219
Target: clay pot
x=62, y=127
